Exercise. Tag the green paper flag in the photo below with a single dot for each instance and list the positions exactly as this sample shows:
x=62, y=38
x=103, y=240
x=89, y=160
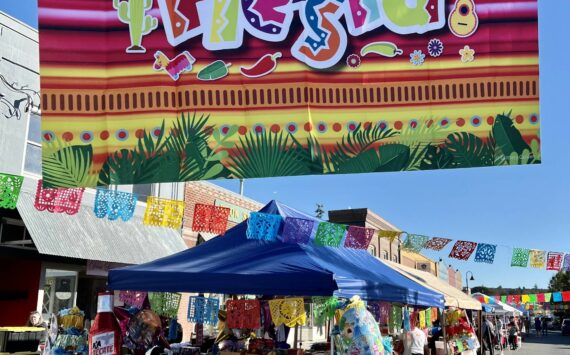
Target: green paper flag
x=504, y=299
x=396, y=318
x=520, y=257
x=547, y=297
x=533, y=299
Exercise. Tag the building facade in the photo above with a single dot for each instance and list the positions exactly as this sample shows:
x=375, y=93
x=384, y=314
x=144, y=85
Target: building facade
x=50, y=261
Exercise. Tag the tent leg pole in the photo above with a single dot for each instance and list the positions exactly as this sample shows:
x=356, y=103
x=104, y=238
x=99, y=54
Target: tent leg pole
x=295, y=337
x=443, y=331
x=331, y=326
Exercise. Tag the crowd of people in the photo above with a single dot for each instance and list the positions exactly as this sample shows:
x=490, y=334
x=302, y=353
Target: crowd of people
x=498, y=334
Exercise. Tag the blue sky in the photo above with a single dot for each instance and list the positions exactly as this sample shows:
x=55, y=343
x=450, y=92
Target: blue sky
x=526, y=206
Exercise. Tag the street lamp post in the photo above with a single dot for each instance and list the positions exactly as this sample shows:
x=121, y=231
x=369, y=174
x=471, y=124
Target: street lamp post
x=469, y=279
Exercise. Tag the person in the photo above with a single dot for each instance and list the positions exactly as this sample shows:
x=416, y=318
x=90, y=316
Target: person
x=513, y=335
x=419, y=341
x=488, y=333
x=499, y=327
x=35, y=320
x=537, y=326
x=545, y=326
x=436, y=334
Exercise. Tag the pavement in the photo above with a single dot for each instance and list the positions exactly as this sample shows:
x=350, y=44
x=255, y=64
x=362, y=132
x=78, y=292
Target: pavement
x=554, y=344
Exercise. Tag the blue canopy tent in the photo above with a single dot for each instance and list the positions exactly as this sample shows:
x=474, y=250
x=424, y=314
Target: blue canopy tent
x=233, y=264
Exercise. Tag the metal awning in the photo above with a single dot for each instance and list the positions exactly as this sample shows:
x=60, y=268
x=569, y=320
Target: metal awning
x=84, y=236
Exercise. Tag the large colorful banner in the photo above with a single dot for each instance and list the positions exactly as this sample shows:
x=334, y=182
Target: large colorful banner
x=142, y=91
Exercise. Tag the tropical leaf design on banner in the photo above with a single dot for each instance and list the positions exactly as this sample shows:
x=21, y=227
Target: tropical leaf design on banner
x=194, y=150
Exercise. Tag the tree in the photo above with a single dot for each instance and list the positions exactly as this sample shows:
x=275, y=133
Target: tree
x=560, y=282
x=320, y=212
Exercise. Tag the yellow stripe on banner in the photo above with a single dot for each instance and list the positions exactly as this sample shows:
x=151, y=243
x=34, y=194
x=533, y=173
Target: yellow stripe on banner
x=365, y=67
x=336, y=121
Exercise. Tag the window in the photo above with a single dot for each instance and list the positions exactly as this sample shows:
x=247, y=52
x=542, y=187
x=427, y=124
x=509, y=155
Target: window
x=395, y=258
x=59, y=290
x=13, y=232
x=143, y=191
x=372, y=250
x=33, y=159
x=385, y=255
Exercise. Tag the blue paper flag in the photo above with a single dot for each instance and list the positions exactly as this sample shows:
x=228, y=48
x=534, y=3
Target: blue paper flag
x=115, y=204
x=485, y=253
x=557, y=297
x=263, y=226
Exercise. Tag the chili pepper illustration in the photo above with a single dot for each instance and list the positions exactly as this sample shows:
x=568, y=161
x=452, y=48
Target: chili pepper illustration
x=266, y=65
x=386, y=49
x=214, y=71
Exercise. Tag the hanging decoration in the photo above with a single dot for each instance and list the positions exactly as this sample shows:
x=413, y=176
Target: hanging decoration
x=520, y=257
x=407, y=320
x=566, y=264
x=525, y=298
x=415, y=243
x=133, y=298
x=422, y=319
x=297, y=230
x=462, y=250
x=557, y=297
x=243, y=314
x=165, y=304
x=263, y=226
x=210, y=219
x=380, y=310
x=554, y=261
x=329, y=234
x=533, y=298
x=396, y=317
x=504, y=299
x=358, y=237
x=288, y=311
x=65, y=200
x=566, y=296
x=10, y=186
x=324, y=309
x=203, y=310
x=114, y=204
x=437, y=243
x=162, y=212
x=537, y=259
x=547, y=297
x=390, y=235
x=428, y=317
x=485, y=253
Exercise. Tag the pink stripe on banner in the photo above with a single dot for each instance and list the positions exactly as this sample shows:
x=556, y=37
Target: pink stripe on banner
x=94, y=19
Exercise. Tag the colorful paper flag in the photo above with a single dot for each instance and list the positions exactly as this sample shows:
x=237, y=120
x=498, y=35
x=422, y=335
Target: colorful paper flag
x=133, y=298
x=547, y=297
x=263, y=226
x=557, y=297
x=407, y=319
x=517, y=299
x=566, y=265
x=554, y=261
x=390, y=235
x=520, y=257
x=288, y=311
x=462, y=250
x=422, y=315
x=165, y=303
x=210, y=219
x=511, y=299
x=537, y=259
x=485, y=253
x=533, y=298
x=358, y=237
x=437, y=243
x=65, y=200
x=10, y=186
x=243, y=314
x=203, y=310
x=504, y=299
x=540, y=298
x=329, y=234
x=162, y=212
x=415, y=243
x=297, y=230
x=114, y=204
x=566, y=296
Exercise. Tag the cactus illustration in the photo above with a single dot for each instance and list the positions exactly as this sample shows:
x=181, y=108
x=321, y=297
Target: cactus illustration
x=133, y=13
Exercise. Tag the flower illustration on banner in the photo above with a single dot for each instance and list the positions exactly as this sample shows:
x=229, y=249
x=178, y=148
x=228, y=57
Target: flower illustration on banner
x=435, y=47
x=417, y=57
x=467, y=54
x=353, y=61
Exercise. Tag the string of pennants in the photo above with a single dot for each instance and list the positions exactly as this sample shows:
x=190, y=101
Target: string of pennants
x=168, y=213
x=549, y=297
x=115, y=205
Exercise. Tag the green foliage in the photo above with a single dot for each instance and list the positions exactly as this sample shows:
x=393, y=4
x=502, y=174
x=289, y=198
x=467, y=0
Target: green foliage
x=559, y=282
x=468, y=150
x=437, y=157
x=69, y=167
x=509, y=140
x=314, y=156
x=267, y=154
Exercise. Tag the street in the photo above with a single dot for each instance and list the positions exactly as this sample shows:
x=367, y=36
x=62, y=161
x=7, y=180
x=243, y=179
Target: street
x=554, y=343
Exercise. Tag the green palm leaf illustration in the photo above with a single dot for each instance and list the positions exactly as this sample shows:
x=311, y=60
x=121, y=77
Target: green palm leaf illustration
x=468, y=150
x=69, y=167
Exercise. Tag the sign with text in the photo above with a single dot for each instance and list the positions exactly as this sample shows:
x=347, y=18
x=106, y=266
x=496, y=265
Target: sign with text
x=237, y=214
x=144, y=91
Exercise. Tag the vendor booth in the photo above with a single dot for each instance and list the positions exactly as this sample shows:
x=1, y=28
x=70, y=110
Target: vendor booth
x=324, y=277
